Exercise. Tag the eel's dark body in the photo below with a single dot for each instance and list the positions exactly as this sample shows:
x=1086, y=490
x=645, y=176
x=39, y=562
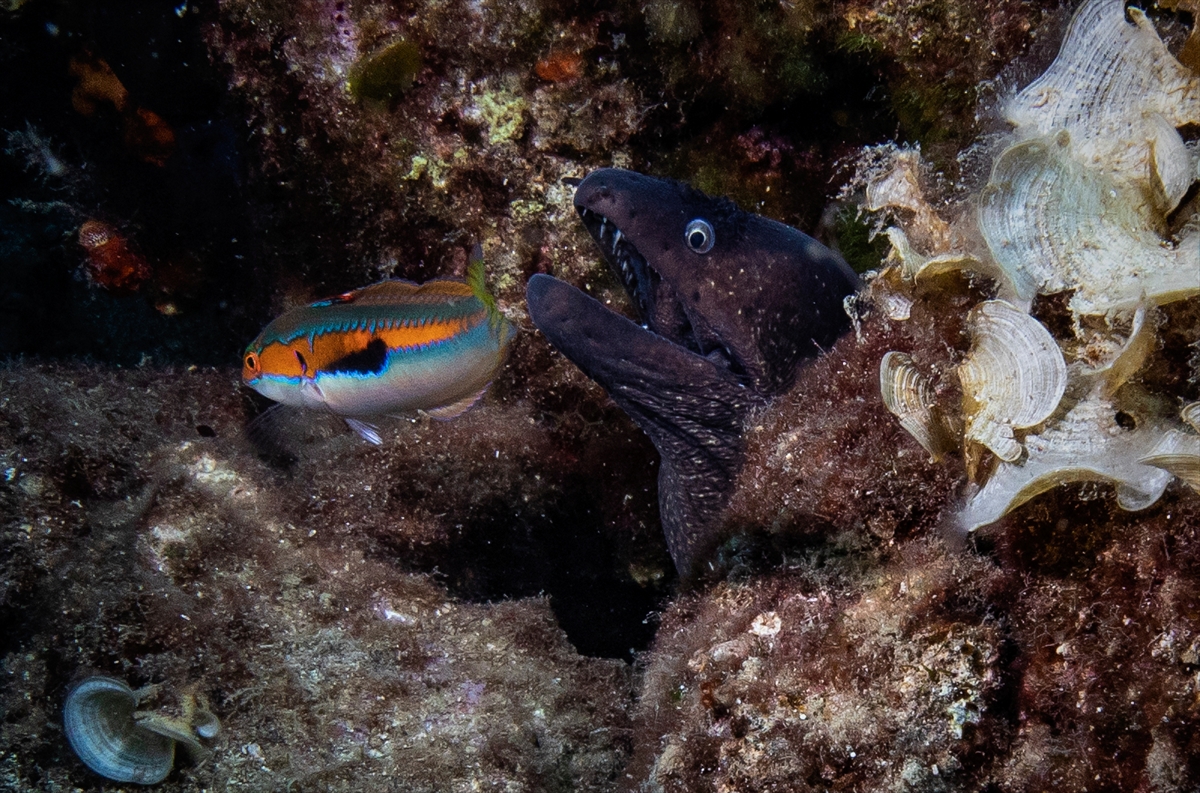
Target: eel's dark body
x=731, y=303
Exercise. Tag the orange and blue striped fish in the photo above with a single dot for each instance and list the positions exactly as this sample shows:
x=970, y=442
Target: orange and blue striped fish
x=389, y=348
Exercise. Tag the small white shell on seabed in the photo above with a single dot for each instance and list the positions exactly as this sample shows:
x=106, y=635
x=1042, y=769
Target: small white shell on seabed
x=98, y=720
x=908, y=396
x=1013, y=377
x=121, y=743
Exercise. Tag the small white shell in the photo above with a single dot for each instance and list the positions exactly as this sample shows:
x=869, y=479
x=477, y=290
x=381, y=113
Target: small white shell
x=1179, y=453
x=99, y=724
x=1013, y=377
x=908, y=396
x=1087, y=444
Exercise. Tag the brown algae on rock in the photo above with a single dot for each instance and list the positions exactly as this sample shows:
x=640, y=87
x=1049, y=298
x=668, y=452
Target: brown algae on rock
x=386, y=74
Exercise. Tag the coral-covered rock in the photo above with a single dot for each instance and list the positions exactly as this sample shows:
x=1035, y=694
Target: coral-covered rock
x=892, y=678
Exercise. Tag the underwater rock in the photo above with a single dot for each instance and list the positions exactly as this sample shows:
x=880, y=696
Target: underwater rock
x=823, y=680
x=137, y=546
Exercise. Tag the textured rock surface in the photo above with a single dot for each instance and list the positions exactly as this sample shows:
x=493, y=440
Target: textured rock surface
x=886, y=652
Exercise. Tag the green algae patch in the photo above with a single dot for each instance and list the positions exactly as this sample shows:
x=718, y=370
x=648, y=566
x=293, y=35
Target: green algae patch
x=387, y=73
x=524, y=209
x=504, y=114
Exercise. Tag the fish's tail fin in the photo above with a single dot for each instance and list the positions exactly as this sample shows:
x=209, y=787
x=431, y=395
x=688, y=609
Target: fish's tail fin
x=478, y=284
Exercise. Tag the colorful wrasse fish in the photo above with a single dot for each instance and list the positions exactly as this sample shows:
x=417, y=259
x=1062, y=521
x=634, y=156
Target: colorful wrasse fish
x=389, y=348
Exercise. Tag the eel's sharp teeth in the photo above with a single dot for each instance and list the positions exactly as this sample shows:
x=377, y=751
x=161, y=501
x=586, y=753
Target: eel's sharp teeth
x=603, y=226
x=616, y=240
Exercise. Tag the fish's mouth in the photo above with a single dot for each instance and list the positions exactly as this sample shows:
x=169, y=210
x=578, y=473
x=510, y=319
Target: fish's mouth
x=657, y=306
x=627, y=263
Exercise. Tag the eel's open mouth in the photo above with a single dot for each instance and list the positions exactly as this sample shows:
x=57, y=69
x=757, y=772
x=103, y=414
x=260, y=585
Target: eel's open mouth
x=658, y=308
x=637, y=276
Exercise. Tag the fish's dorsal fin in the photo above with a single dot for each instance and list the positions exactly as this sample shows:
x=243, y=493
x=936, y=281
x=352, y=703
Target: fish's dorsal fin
x=478, y=286
x=456, y=409
x=396, y=290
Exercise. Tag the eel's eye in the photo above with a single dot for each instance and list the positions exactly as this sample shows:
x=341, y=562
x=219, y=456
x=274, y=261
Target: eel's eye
x=251, y=363
x=700, y=236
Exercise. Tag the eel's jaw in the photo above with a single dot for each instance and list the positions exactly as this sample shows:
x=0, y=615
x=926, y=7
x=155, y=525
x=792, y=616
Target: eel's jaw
x=653, y=297
x=627, y=263
x=691, y=408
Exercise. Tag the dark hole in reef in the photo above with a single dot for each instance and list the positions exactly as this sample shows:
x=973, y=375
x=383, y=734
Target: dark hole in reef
x=192, y=214
x=560, y=546
x=1125, y=421
x=1054, y=312
x=205, y=431
x=368, y=360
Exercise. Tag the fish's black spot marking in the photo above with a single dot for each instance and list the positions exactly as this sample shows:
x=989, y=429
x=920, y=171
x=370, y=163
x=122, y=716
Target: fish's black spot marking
x=368, y=360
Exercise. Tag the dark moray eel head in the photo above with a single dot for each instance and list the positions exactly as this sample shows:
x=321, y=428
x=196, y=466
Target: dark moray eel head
x=728, y=302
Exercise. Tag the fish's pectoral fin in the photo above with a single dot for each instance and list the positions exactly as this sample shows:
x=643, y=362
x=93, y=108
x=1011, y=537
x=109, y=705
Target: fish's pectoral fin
x=690, y=407
x=456, y=409
x=271, y=432
x=312, y=392
x=368, y=432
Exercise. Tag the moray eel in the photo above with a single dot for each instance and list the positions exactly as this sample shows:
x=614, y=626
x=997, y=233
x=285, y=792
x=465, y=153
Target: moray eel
x=729, y=303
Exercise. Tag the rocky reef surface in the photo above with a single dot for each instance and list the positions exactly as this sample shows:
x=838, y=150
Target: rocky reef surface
x=486, y=604
x=141, y=543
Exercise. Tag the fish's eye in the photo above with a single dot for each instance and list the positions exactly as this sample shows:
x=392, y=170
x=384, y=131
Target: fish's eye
x=700, y=236
x=251, y=361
